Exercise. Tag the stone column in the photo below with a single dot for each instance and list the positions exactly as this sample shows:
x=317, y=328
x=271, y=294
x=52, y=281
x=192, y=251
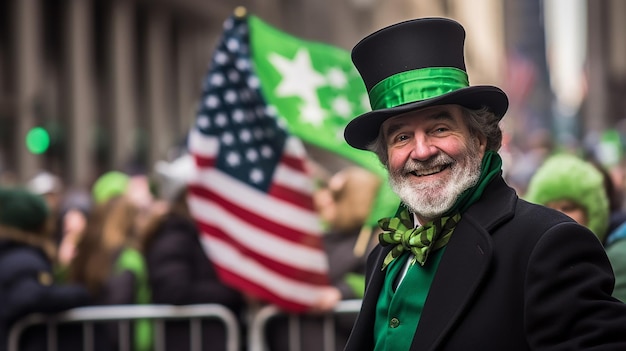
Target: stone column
x=80, y=66
x=188, y=86
x=27, y=28
x=158, y=83
x=121, y=59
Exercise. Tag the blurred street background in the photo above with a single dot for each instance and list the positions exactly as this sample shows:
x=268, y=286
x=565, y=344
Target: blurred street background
x=87, y=86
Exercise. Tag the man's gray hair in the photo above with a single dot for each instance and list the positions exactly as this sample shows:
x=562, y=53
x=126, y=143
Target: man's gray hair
x=481, y=122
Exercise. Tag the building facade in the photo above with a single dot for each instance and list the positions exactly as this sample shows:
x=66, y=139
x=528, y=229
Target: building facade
x=115, y=83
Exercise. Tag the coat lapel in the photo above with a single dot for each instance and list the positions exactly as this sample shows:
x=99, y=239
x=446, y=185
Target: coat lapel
x=463, y=266
x=362, y=336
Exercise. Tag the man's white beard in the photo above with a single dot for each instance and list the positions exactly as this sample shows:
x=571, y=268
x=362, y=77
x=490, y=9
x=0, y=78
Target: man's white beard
x=433, y=199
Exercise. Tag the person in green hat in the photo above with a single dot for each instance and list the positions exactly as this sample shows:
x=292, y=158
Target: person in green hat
x=27, y=250
x=465, y=264
x=109, y=185
x=569, y=184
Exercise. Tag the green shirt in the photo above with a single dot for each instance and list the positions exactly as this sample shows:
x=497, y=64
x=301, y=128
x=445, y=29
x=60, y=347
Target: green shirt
x=398, y=310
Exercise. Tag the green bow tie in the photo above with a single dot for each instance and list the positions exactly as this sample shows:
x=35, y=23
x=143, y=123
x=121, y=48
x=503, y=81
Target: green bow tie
x=420, y=241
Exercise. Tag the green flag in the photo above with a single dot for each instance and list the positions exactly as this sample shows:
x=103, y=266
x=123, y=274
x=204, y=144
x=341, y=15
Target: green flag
x=317, y=90
x=314, y=86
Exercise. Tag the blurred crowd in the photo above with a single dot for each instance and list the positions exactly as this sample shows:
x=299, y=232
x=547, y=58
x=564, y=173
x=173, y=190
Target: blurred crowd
x=130, y=239
x=586, y=181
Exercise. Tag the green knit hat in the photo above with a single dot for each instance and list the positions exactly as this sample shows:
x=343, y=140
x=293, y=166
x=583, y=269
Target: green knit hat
x=109, y=185
x=565, y=176
x=22, y=209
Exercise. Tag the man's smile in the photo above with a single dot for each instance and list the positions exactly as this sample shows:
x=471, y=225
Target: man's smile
x=429, y=171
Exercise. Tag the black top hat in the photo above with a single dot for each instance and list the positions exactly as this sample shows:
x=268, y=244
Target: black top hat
x=412, y=65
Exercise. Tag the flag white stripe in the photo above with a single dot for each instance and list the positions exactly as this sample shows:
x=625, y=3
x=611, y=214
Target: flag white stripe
x=202, y=145
x=286, y=288
x=293, y=179
x=259, y=240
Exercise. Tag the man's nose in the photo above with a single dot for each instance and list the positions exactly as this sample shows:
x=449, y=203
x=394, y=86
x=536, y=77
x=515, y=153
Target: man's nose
x=423, y=149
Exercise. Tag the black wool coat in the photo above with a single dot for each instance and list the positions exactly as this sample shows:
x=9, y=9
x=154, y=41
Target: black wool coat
x=514, y=276
x=27, y=286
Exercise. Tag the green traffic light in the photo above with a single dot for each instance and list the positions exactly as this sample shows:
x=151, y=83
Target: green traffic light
x=37, y=140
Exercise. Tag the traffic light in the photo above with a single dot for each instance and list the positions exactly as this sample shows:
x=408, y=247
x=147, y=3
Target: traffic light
x=37, y=140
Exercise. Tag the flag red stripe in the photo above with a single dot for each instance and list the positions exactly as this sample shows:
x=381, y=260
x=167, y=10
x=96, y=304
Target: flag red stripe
x=204, y=162
x=293, y=162
x=259, y=291
x=288, y=195
x=289, y=272
x=269, y=226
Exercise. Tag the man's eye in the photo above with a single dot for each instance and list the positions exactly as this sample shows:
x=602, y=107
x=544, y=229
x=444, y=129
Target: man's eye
x=402, y=137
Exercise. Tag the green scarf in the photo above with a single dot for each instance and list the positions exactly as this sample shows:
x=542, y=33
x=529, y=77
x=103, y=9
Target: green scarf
x=431, y=236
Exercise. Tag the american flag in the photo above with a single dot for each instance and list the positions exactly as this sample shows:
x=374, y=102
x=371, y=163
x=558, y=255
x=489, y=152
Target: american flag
x=252, y=197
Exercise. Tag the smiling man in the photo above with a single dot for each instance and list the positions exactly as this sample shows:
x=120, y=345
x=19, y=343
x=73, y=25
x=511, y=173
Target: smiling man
x=465, y=264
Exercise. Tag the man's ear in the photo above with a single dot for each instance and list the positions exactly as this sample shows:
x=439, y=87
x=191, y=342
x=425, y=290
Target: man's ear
x=482, y=143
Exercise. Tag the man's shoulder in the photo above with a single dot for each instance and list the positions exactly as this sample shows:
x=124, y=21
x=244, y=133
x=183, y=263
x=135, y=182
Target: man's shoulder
x=530, y=222
x=541, y=214
x=503, y=201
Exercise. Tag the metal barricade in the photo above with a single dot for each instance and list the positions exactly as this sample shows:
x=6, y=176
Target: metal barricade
x=257, y=337
x=123, y=314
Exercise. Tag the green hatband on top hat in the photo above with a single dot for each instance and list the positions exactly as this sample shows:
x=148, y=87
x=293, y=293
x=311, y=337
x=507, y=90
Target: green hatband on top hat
x=412, y=65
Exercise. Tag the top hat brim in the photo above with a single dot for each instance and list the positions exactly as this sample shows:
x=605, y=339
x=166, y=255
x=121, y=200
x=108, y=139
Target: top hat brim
x=364, y=129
